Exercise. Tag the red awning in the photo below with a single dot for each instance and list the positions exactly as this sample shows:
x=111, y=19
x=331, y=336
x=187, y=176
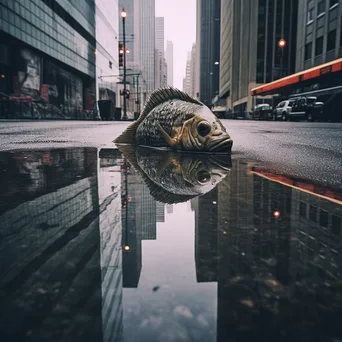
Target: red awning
x=308, y=74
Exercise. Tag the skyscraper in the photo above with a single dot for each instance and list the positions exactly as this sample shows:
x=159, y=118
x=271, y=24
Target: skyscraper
x=169, y=62
x=189, y=80
x=208, y=45
x=147, y=42
x=160, y=63
x=250, y=55
x=160, y=35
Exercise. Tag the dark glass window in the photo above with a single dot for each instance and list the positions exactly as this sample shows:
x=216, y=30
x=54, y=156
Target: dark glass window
x=331, y=40
x=321, y=7
x=323, y=218
x=319, y=46
x=308, y=51
x=302, y=209
x=333, y=2
x=336, y=225
x=312, y=213
x=310, y=10
x=310, y=14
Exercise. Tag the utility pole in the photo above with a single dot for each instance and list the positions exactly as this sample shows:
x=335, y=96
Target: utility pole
x=123, y=15
x=138, y=95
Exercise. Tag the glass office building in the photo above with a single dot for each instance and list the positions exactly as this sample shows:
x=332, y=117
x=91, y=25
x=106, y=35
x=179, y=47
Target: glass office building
x=48, y=52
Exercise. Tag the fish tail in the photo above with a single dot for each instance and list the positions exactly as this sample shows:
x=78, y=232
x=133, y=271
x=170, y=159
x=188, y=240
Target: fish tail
x=128, y=135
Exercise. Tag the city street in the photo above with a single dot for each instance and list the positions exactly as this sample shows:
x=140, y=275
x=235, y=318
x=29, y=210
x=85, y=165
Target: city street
x=303, y=150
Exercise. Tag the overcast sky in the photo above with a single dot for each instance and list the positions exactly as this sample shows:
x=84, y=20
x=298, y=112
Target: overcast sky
x=180, y=28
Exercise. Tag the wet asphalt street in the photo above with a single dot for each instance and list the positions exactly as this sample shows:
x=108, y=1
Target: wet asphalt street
x=304, y=150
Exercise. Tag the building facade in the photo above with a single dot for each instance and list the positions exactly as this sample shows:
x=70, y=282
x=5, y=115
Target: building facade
x=160, y=35
x=169, y=63
x=132, y=25
x=319, y=37
x=147, y=42
x=208, y=44
x=250, y=54
x=107, y=63
x=48, y=53
x=160, y=61
x=189, y=80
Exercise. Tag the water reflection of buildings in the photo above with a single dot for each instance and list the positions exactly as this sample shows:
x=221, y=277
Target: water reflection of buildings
x=140, y=214
x=49, y=250
x=250, y=243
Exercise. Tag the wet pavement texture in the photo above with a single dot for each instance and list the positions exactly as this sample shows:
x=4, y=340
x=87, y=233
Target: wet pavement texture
x=134, y=245
x=303, y=149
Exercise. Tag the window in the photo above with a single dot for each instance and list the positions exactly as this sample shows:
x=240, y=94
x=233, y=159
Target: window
x=331, y=40
x=319, y=46
x=321, y=7
x=302, y=209
x=308, y=51
x=323, y=218
x=333, y=2
x=336, y=225
x=313, y=213
x=310, y=14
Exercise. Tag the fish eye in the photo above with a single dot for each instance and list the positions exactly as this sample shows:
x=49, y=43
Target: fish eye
x=203, y=129
x=203, y=176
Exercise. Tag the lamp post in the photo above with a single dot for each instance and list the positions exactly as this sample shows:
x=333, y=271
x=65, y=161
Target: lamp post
x=123, y=16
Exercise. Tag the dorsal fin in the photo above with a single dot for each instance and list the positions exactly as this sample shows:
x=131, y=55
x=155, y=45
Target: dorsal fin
x=157, y=97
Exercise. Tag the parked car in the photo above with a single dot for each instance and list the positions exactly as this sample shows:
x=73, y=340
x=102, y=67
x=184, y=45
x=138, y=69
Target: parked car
x=281, y=112
x=306, y=108
x=262, y=111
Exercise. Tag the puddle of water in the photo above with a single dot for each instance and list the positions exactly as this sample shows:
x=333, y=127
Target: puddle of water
x=237, y=253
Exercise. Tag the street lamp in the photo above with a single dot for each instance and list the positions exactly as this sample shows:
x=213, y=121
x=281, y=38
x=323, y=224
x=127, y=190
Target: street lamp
x=123, y=16
x=282, y=43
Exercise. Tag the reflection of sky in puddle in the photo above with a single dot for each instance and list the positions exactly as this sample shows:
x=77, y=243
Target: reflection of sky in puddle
x=180, y=301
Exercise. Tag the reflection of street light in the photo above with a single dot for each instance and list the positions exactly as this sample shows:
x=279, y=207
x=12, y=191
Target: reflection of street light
x=276, y=214
x=124, y=15
x=217, y=63
x=127, y=248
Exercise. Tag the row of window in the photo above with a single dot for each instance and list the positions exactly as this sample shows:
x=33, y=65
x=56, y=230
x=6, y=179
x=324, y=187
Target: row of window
x=320, y=8
x=331, y=45
x=320, y=217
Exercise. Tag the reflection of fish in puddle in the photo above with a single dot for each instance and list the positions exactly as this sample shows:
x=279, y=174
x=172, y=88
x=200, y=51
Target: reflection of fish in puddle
x=176, y=177
x=172, y=119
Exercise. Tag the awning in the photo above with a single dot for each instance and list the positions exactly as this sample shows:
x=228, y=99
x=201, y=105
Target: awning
x=305, y=75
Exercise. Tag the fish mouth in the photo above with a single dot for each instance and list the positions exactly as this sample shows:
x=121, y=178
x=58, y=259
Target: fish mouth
x=223, y=145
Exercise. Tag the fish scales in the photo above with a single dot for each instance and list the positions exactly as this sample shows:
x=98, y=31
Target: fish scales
x=170, y=115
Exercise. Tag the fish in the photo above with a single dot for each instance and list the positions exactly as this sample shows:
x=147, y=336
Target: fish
x=175, y=177
x=171, y=119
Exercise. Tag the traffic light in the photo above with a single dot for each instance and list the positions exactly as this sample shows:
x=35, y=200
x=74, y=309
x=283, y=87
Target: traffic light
x=121, y=54
x=127, y=94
